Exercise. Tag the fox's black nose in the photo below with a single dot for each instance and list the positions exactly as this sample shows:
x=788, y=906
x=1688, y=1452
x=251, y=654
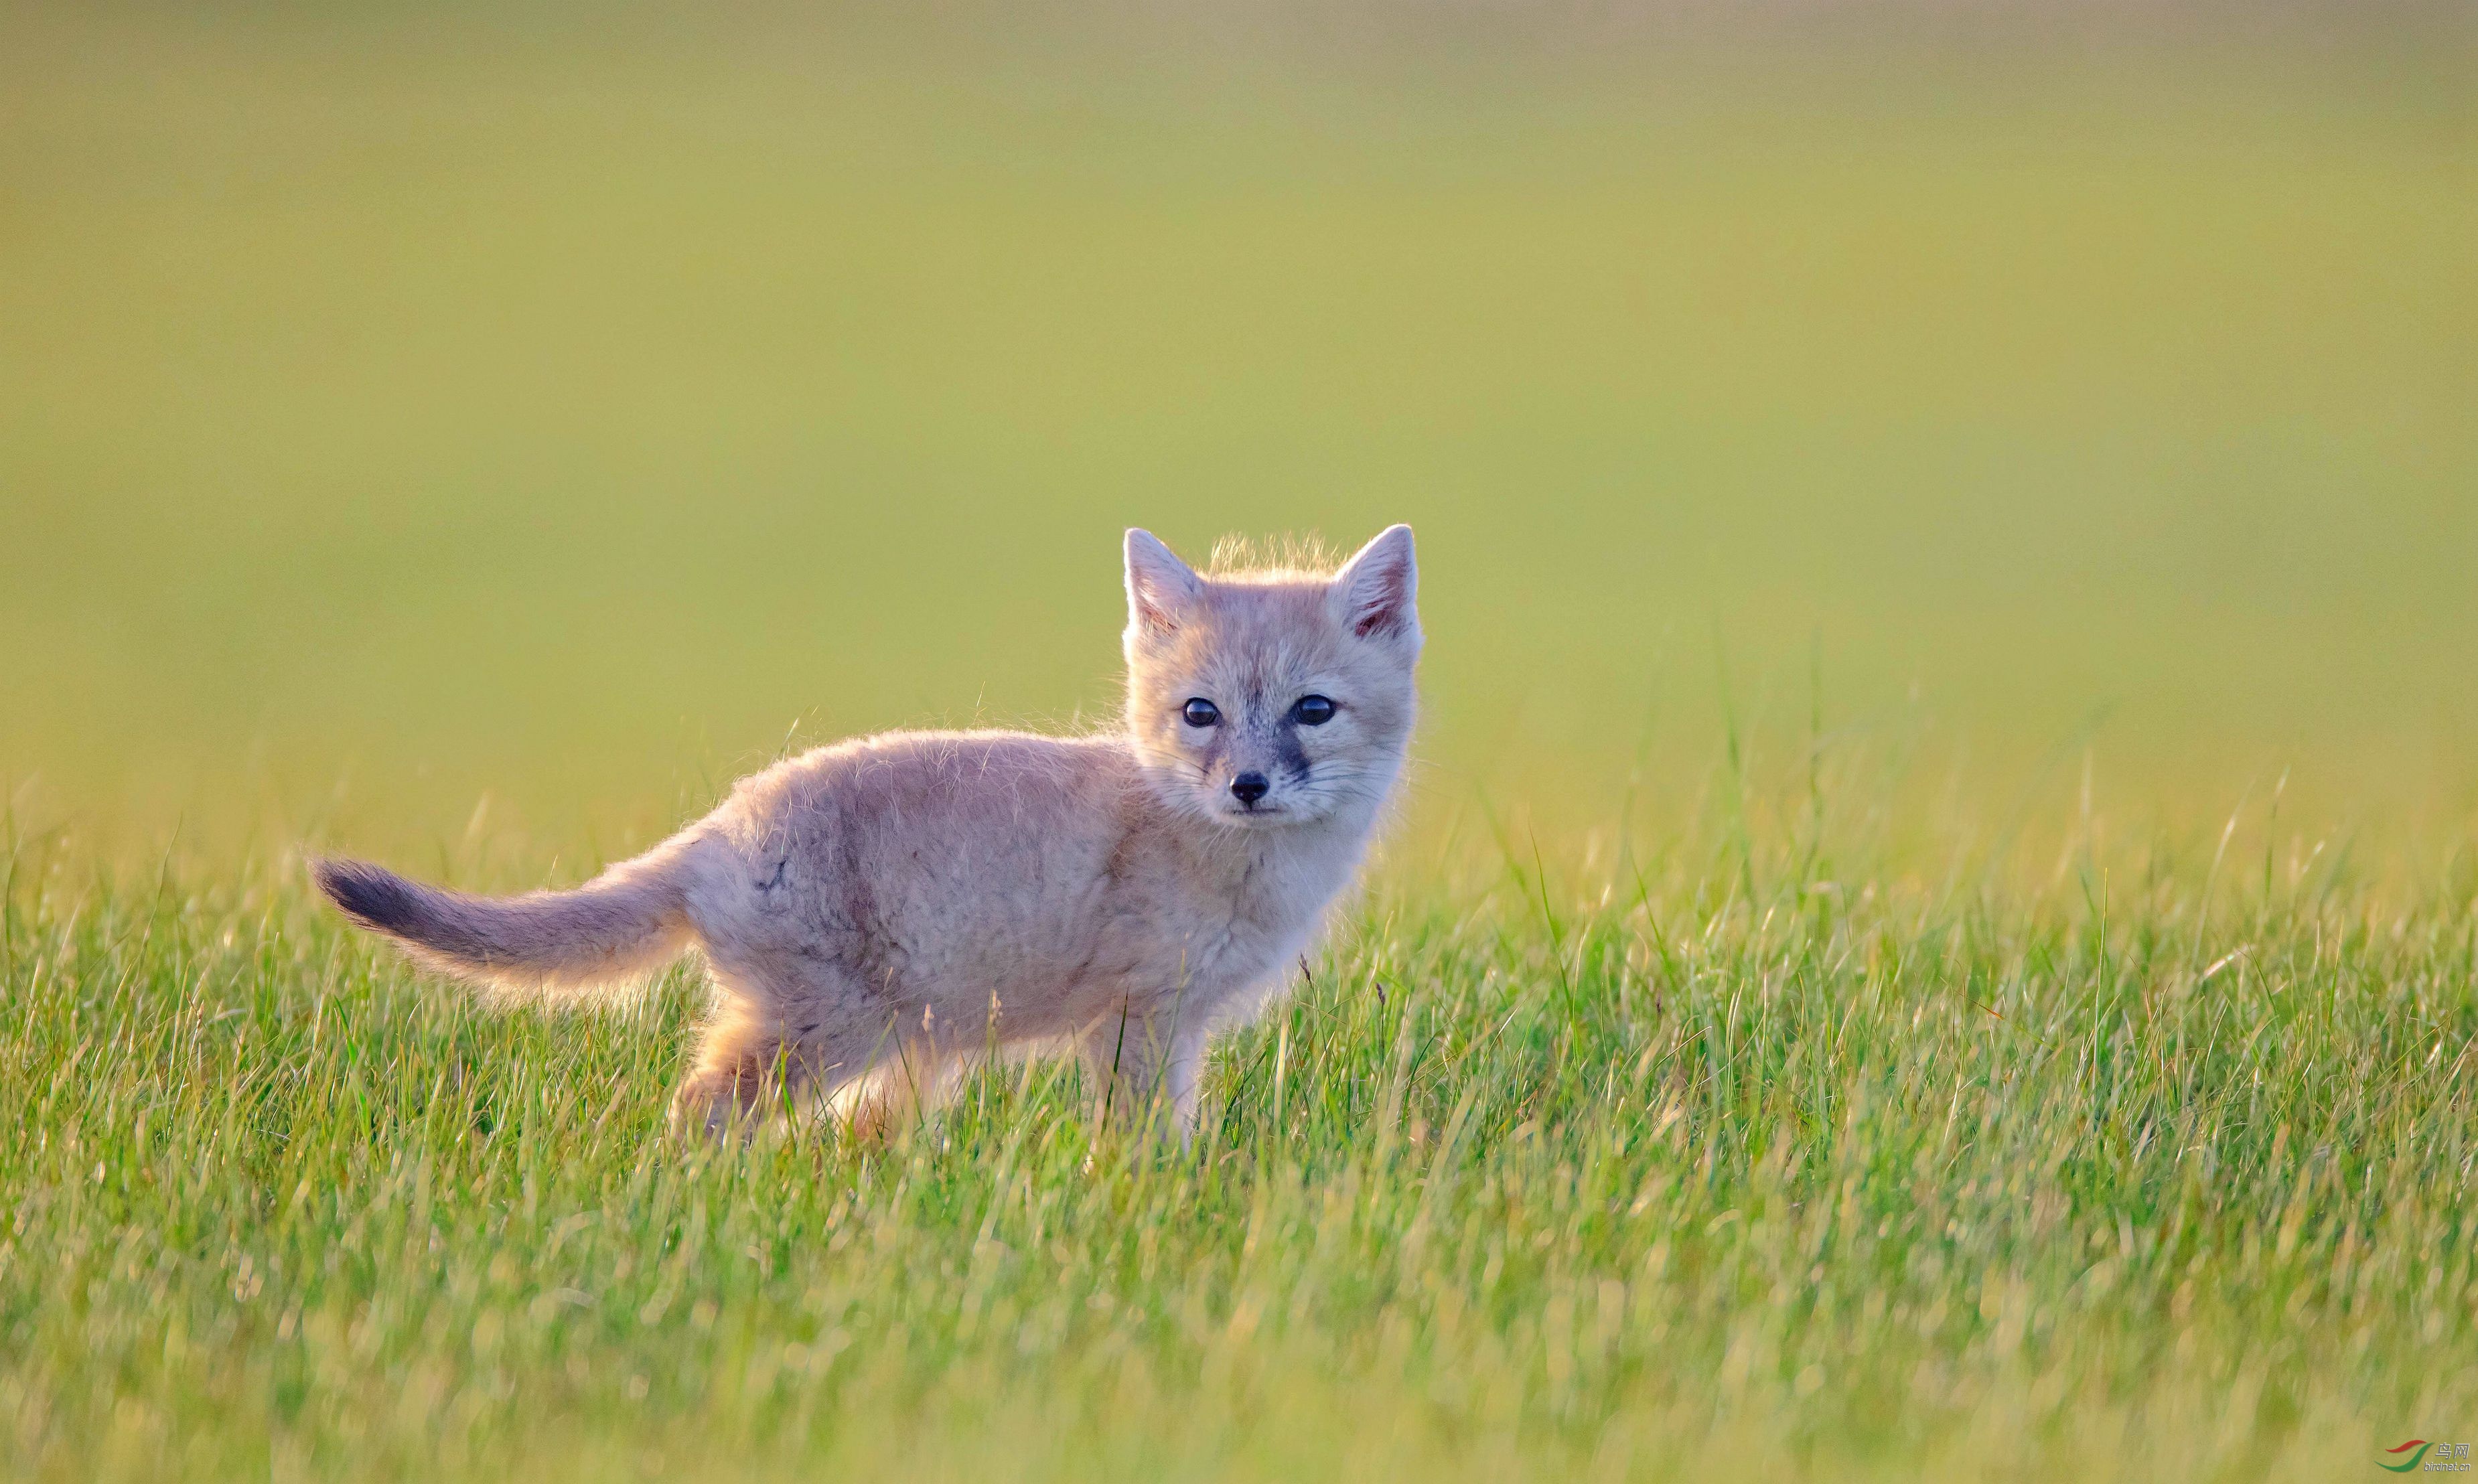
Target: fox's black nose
x=1247, y=788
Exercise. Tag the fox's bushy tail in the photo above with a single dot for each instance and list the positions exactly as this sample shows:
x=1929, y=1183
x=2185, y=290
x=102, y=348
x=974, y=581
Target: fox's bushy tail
x=629, y=920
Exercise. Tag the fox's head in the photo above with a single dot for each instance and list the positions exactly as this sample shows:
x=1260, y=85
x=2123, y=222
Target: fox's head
x=1272, y=698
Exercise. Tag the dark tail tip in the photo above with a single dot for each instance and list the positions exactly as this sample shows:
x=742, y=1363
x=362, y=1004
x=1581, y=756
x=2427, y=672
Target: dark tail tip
x=373, y=898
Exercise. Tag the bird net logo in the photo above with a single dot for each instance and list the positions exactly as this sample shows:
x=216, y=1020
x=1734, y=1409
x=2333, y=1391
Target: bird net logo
x=2428, y=1457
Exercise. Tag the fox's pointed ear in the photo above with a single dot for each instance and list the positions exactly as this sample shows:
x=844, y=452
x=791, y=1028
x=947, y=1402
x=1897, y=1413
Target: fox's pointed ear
x=1161, y=588
x=1376, y=595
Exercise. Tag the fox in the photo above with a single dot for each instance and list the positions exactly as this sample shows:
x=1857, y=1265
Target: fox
x=878, y=916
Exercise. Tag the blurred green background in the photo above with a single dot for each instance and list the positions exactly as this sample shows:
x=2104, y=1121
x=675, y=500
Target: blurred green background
x=570, y=406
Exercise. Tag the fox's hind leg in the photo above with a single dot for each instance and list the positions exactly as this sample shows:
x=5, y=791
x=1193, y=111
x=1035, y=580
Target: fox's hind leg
x=745, y=1068
x=912, y=1082
x=757, y=1060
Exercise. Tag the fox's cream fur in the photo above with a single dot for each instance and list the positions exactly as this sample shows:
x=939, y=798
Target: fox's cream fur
x=880, y=913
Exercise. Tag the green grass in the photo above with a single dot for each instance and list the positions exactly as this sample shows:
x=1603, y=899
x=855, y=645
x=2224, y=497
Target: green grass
x=1713, y=1159
x=2038, y=473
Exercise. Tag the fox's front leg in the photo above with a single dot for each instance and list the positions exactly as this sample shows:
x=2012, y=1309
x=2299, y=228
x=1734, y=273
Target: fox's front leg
x=1142, y=1072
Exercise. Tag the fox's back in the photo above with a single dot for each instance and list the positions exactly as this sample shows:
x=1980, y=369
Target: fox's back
x=919, y=866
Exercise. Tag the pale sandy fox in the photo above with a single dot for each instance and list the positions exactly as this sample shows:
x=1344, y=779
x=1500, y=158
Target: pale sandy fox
x=880, y=913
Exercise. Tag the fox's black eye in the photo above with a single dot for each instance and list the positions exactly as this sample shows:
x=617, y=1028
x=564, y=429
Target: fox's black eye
x=1201, y=711
x=1312, y=711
